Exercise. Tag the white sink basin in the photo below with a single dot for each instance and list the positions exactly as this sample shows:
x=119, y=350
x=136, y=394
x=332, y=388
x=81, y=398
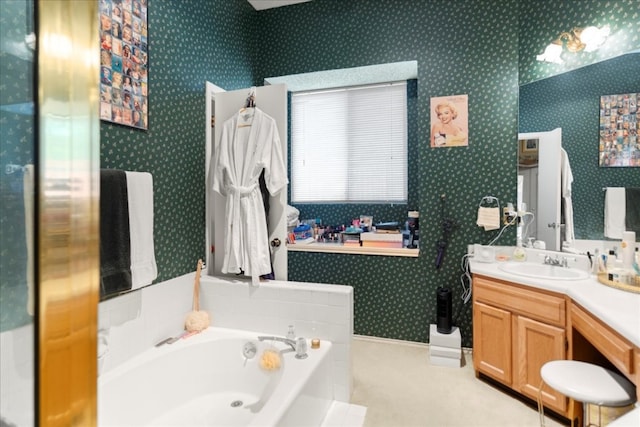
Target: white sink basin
x=543, y=271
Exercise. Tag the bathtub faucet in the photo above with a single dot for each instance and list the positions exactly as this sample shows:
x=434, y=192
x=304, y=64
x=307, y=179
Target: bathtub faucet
x=291, y=343
x=299, y=345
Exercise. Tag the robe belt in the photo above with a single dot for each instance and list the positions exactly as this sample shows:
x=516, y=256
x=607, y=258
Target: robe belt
x=235, y=193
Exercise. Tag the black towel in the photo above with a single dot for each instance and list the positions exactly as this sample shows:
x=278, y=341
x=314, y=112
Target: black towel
x=632, y=214
x=115, y=244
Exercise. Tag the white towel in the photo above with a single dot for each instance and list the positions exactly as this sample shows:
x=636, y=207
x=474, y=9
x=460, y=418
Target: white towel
x=143, y=259
x=566, y=181
x=489, y=218
x=615, y=206
x=29, y=194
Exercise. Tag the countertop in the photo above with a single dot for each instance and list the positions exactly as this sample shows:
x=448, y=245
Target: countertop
x=617, y=308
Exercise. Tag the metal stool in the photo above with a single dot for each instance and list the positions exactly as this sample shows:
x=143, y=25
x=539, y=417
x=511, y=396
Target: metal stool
x=586, y=383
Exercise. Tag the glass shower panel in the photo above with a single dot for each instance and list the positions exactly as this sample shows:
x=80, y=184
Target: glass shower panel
x=17, y=239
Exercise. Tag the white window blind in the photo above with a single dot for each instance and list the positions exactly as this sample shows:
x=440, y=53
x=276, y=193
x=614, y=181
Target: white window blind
x=349, y=145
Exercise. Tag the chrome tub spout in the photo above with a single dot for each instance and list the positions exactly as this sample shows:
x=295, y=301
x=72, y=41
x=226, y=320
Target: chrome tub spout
x=287, y=341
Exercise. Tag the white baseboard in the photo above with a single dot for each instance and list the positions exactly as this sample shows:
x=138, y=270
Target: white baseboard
x=400, y=342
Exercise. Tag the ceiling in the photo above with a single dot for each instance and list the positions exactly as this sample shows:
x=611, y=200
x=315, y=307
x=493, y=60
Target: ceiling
x=268, y=4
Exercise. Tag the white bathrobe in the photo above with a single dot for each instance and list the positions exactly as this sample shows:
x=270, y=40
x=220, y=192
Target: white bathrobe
x=567, y=180
x=249, y=143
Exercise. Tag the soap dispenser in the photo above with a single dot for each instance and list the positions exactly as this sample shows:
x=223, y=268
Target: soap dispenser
x=519, y=253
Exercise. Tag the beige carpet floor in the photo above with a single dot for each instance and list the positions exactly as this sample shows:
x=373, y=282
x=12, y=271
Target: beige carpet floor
x=400, y=388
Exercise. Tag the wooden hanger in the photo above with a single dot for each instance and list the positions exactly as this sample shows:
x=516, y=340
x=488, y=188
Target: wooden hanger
x=250, y=103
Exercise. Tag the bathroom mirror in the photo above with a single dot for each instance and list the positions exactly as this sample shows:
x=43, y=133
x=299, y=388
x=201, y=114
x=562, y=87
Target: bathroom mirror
x=570, y=101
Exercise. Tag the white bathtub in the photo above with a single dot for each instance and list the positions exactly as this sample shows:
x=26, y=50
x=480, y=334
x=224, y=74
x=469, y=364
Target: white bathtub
x=200, y=380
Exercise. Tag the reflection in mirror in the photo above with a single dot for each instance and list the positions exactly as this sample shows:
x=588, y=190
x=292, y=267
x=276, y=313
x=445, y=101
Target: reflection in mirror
x=571, y=101
x=539, y=190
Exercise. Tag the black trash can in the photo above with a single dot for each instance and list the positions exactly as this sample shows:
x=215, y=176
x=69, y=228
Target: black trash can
x=444, y=299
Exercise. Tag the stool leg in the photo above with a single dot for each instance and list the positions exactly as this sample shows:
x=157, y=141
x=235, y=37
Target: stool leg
x=540, y=405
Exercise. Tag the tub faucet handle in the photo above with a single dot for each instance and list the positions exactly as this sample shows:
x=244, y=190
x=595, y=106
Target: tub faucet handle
x=301, y=348
x=249, y=350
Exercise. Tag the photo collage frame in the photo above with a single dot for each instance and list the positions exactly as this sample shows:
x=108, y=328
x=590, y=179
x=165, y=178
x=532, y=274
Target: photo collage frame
x=619, y=117
x=124, y=62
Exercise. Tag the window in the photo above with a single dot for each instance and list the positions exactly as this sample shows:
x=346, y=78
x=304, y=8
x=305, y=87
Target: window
x=349, y=145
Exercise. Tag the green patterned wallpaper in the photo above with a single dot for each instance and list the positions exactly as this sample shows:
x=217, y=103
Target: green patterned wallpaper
x=190, y=42
x=17, y=136
x=462, y=46
x=395, y=297
x=541, y=21
x=571, y=101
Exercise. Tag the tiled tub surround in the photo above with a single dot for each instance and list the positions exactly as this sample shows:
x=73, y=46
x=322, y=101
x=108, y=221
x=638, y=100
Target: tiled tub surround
x=134, y=322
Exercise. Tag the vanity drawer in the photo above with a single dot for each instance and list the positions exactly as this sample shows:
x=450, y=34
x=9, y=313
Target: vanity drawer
x=610, y=344
x=534, y=304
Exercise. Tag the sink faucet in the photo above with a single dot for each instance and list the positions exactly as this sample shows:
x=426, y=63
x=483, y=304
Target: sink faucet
x=564, y=261
x=299, y=345
x=551, y=261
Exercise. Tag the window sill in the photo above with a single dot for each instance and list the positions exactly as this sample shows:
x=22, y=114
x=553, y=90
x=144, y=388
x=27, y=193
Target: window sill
x=339, y=248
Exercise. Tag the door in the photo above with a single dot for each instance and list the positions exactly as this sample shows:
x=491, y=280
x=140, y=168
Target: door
x=536, y=344
x=492, y=342
x=210, y=129
x=273, y=101
x=547, y=215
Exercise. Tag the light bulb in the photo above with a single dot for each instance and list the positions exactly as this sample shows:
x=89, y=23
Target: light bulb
x=551, y=54
x=593, y=37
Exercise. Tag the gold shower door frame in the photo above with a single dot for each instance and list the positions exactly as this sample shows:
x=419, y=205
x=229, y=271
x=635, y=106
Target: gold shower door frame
x=67, y=206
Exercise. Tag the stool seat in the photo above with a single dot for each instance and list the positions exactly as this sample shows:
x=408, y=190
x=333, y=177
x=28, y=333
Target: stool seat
x=588, y=383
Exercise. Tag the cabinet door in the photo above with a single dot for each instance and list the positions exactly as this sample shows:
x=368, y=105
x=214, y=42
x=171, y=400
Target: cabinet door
x=492, y=342
x=535, y=344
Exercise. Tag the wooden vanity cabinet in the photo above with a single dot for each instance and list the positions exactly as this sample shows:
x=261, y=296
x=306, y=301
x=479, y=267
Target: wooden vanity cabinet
x=517, y=329
x=617, y=350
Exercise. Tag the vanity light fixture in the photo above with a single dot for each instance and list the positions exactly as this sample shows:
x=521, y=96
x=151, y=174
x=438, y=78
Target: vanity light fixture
x=588, y=39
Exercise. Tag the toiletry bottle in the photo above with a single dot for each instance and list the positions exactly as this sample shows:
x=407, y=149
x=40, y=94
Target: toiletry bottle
x=519, y=253
x=291, y=333
x=628, y=245
x=602, y=263
x=618, y=274
x=611, y=260
x=595, y=267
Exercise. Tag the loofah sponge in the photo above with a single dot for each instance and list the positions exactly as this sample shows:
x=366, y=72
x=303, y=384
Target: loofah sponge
x=197, y=321
x=270, y=360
